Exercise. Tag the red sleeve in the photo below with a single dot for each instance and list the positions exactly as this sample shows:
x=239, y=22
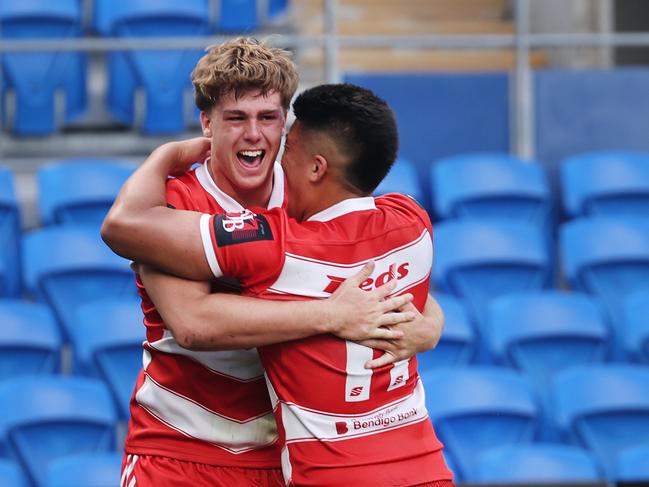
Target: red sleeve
x=178, y=195
x=248, y=246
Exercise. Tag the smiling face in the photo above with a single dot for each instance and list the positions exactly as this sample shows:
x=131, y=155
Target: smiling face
x=246, y=134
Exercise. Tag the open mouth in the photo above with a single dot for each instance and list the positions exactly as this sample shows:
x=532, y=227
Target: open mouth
x=251, y=158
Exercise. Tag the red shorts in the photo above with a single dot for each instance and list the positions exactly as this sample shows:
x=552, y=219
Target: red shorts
x=156, y=471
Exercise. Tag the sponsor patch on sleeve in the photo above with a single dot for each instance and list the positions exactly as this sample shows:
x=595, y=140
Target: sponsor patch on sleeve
x=234, y=228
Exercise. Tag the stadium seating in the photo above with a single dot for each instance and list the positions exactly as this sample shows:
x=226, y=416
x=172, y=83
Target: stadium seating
x=115, y=356
x=238, y=16
x=96, y=470
x=491, y=185
x=541, y=333
x=607, y=257
x=68, y=266
x=533, y=464
x=402, y=178
x=633, y=464
x=477, y=408
x=48, y=417
x=79, y=191
x=29, y=339
x=603, y=407
x=35, y=77
x=10, y=228
x=457, y=344
x=11, y=474
x=635, y=326
x=480, y=260
x=164, y=75
x=606, y=183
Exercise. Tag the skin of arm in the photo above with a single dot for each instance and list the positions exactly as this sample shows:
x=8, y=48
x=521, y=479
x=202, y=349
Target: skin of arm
x=200, y=320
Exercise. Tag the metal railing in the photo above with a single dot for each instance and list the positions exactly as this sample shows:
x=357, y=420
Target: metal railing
x=522, y=41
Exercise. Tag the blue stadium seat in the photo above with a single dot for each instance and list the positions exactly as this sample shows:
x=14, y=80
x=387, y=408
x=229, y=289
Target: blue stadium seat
x=480, y=260
x=11, y=475
x=402, y=178
x=115, y=356
x=603, y=407
x=635, y=326
x=457, y=344
x=164, y=75
x=633, y=464
x=79, y=191
x=237, y=16
x=48, y=417
x=541, y=333
x=68, y=266
x=491, y=185
x=606, y=183
x=35, y=77
x=277, y=8
x=477, y=408
x=607, y=257
x=89, y=470
x=533, y=464
x=30, y=342
x=10, y=228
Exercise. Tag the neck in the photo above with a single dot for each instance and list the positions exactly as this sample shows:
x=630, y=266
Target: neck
x=257, y=197
x=326, y=197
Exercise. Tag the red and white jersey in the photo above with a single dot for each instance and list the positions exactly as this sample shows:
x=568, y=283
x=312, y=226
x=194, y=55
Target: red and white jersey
x=204, y=407
x=339, y=423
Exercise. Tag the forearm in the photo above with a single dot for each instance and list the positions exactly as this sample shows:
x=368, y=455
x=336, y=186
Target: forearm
x=140, y=227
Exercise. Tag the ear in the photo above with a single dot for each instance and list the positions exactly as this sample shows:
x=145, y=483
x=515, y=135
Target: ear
x=206, y=124
x=319, y=168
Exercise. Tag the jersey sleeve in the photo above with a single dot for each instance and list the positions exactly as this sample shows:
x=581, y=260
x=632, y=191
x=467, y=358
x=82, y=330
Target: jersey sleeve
x=248, y=246
x=179, y=196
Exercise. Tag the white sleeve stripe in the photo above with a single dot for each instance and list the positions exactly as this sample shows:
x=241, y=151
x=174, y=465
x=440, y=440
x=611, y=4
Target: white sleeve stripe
x=210, y=253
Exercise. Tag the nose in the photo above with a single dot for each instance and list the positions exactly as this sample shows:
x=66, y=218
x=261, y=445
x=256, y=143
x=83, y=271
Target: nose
x=252, y=130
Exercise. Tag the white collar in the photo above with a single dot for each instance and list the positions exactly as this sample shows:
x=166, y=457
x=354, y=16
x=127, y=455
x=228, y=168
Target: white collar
x=344, y=207
x=228, y=203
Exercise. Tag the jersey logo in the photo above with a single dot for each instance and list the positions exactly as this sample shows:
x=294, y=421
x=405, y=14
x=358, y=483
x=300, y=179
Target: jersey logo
x=341, y=427
x=394, y=271
x=356, y=391
x=234, y=228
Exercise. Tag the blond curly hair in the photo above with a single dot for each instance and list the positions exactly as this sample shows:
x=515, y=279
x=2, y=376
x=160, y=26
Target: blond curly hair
x=241, y=65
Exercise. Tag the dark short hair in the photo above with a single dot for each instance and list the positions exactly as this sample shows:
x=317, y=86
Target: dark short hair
x=360, y=123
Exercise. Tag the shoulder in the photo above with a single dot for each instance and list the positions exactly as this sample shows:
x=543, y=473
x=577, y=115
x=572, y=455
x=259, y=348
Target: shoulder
x=404, y=205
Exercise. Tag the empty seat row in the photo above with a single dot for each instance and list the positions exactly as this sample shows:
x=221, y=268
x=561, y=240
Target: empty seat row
x=35, y=78
x=498, y=185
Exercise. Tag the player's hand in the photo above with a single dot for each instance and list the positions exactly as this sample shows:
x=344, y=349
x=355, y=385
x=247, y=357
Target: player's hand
x=183, y=153
x=358, y=315
x=422, y=334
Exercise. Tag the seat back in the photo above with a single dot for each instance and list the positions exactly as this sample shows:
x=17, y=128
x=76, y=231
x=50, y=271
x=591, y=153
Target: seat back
x=68, y=266
x=635, y=326
x=115, y=357
x=36, y=76
x=477, y=408
x=533, y=464
x=95, y=470
x=457, y=344
x=164, y=75
x=48, y=417
x=11, y=475
x=633, y=464
x=79, y=191
x=603, y=407
x=541, y=333
x=606, y=183
x=238, y=16
x=30, y=342
x=10, y=229
x=491, y=185
x=480, y=260
x=402, y=178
